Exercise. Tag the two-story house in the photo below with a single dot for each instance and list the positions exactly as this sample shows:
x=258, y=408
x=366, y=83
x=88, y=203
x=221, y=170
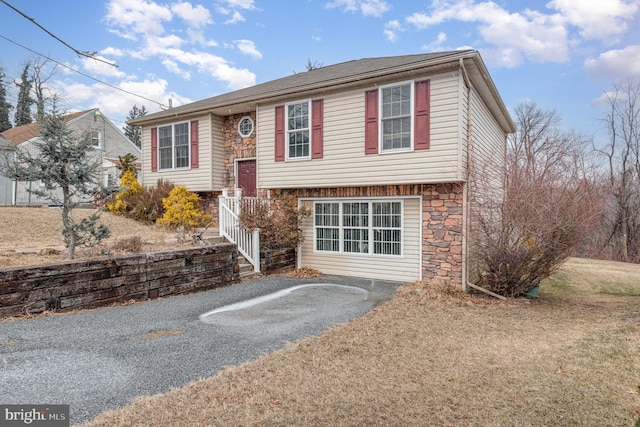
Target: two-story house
x=109, y=142
x=379, y=149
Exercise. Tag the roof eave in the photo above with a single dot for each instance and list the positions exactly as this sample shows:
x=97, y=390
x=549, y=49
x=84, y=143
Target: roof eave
x=338, y=83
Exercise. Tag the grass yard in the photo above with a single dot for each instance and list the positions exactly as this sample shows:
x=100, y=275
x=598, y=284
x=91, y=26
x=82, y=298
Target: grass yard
x=437, y=358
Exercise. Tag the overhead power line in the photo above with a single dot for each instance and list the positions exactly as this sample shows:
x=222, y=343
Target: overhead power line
x=86, y=54
x=160, y=104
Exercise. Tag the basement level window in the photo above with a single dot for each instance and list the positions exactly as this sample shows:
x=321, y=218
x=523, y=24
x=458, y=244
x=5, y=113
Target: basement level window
x=245, y=126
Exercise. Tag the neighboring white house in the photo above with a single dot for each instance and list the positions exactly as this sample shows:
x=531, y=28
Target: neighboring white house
x=6, y=185
x=379, y=149
x=110, y=143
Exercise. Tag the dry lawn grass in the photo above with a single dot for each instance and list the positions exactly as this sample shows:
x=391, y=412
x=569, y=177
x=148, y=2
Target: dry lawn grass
x=438, y=358
x=37, y=229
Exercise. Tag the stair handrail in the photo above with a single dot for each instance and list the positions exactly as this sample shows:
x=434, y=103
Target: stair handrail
x=248, y=243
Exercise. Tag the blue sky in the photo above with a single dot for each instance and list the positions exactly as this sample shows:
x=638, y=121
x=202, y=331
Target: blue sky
x=562, y=54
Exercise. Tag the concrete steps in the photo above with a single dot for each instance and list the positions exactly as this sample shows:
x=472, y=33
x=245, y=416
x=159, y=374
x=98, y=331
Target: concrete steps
x=212, y=235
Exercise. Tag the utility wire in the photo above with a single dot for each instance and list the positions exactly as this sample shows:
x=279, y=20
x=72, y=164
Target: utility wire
x=160, y=104
x=86, y=54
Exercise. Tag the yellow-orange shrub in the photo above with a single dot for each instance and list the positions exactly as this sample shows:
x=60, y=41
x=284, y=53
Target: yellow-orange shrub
x=131, y=186
x=181, y=209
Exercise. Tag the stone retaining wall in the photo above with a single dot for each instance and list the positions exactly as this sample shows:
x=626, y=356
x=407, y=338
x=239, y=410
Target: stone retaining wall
x=100, y=282
x=274, y=261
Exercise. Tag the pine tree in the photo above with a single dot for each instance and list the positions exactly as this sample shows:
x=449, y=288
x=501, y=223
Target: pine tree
x=23, y=108
x=64, y=164
x=134, y=133
x=5, y=107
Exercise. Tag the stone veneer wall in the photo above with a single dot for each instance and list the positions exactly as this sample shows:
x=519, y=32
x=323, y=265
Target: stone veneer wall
x=442, y=222
x=235, y=146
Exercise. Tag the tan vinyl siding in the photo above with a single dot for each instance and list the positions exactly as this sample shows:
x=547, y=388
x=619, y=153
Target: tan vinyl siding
x=488, y=147
x=405, y=268
x=344, y=161
x=463, y=121
x=196, y=179
x=217, y=152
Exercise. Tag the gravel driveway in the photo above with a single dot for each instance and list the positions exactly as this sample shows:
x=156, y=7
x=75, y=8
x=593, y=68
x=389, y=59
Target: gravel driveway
x=99, y=359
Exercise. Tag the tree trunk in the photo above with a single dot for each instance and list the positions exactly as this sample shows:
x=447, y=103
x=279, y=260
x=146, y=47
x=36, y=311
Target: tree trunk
x=67, y=222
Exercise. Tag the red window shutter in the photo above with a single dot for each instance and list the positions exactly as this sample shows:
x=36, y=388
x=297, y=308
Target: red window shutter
x=317, y=112
x=194, y=144
x=154, y=149
x=371, y=122
x=422, y=132
x=279, y=148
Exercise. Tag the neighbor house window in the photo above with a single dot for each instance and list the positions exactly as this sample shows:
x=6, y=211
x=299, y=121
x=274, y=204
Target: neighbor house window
x=173, y=146
x=95, y=138
x=298, y=135
x=396, y=117
x=361, y=227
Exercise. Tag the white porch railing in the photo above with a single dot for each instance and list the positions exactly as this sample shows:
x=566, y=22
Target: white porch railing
x=230, y=228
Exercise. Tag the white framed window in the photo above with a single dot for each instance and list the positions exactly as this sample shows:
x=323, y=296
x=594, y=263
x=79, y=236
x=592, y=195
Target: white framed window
x=95, y=138
x=396, y=117
x=298, y=135
x=173, y=146
x=245, y=126
x=358, y=227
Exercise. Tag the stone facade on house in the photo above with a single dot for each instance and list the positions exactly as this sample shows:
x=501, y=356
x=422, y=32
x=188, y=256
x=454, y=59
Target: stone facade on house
x=442, y=222
x=236, y=147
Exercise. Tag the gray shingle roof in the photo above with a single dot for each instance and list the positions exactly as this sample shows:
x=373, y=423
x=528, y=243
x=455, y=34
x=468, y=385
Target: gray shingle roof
x=350, y=71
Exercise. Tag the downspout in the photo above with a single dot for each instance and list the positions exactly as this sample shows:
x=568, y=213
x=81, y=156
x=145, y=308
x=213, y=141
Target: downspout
x=465, y=190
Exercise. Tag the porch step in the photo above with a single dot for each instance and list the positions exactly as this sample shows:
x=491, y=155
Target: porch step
x=246, y=269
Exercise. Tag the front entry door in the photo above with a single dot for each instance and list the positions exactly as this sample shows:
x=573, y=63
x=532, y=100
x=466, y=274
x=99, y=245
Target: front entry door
x=247, y=177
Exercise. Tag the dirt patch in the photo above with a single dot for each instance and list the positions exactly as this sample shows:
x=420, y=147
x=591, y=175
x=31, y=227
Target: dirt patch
x=33, y=236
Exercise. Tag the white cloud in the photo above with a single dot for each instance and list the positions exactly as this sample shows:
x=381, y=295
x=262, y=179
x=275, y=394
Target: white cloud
x=234, y=8
x=196, y=17
x=437, y=44
x=173, y=67
x=533, y=35
x=115, y=103
x=391, y=30
x=216, y=66
x=375, y=8
x=173, y=51
x=113, y=51
x=137, y=16
x=614, y=64
x=100, y=68
x=239, y=4
x=597, y=19
x=248, y=47
x=235, y=18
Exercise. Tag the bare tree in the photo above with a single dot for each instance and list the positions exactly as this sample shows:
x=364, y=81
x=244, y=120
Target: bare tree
x=41, y=73
x=549, y=204
x=622, y=155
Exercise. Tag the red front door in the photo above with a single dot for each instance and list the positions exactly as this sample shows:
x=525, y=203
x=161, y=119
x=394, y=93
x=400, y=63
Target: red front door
x=247, y=177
